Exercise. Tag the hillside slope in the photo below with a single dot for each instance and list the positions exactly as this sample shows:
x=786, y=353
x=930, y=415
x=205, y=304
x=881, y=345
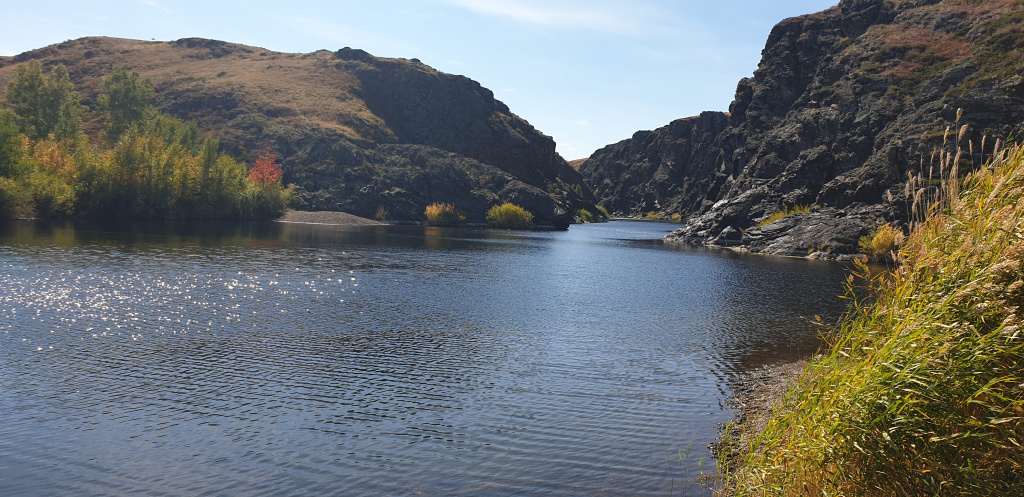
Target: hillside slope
x=843, y=106
x=356, y=133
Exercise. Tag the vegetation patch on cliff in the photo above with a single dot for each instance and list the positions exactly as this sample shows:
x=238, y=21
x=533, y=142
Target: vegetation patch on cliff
x=784, y=213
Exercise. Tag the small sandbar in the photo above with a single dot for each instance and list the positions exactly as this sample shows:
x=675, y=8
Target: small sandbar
x=327, y=218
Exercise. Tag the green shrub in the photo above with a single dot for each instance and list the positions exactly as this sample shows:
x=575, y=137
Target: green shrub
x=11, y=146
x=604, y=212
x=15, y=199
x=265, y=201
x=52, y=196
x=584, y=216
x=509, y=216
x=440, y=214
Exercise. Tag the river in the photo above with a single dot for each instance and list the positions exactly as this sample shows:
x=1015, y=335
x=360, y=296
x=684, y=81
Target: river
x=288, y=359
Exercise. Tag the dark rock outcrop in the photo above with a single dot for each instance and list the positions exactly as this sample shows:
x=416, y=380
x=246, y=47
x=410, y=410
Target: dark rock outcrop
x=845, y=105
x=827, y=232
x=354, y=132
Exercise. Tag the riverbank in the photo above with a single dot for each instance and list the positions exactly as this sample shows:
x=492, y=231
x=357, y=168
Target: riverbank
x=755, y=396
x=921, y=391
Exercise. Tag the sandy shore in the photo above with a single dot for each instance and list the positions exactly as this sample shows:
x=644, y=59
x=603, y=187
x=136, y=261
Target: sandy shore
x=327, y=218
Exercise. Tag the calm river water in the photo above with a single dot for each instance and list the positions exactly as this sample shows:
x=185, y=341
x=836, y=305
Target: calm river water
x=274, y=359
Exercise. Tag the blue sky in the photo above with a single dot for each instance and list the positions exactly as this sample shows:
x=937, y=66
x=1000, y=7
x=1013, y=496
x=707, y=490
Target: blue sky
x=588, y=73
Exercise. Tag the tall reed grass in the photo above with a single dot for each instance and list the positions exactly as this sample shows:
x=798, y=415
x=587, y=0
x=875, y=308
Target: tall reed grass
x=922, y=390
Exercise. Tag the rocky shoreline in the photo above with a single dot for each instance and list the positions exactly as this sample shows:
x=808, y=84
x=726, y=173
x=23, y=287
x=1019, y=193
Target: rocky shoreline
x=756, y=395
x=824, y=233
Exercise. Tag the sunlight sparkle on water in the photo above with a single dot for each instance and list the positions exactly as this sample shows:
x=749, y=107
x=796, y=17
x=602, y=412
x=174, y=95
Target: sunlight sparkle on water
x=375, y=362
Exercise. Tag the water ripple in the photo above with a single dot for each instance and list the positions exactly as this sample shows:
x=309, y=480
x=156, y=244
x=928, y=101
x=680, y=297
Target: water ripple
x=300, y=360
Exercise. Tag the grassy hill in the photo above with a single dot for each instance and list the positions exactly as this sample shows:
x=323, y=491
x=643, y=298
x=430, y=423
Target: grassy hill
x=355, y=132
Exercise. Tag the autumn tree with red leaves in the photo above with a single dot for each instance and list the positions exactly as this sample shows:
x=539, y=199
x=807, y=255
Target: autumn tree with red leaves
x=265, y=170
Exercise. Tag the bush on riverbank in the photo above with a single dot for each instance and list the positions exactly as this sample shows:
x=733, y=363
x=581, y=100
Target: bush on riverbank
x=440, y=214
x=509, y=216
x=882, y=243
x=922, y=392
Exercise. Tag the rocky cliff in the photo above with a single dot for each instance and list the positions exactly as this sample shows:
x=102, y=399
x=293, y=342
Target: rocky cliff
x=356, y=133
x=845, y=105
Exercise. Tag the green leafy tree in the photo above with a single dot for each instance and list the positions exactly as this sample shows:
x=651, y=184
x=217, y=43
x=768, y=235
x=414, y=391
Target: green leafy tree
x=125, y=101
x=45, y=104
x=172, y=131
x=11, y=145
x=154, y=165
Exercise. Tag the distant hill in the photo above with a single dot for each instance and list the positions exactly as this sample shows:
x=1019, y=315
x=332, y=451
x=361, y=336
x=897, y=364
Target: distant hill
x=356, y=133
x=575, y=164
x=844, y=105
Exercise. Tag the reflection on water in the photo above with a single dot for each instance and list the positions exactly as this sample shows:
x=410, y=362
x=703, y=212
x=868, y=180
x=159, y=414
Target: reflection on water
x=268, y=359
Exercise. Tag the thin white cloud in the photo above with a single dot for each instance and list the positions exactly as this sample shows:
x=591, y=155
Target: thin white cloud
x=632, y=18
x=583, y=122
x=154, y=4
x=568, y=150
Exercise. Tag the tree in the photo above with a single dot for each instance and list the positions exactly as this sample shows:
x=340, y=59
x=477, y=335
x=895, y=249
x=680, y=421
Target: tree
x=125, y=102
x=265, y=170
x=11, y=145
x=45, y=104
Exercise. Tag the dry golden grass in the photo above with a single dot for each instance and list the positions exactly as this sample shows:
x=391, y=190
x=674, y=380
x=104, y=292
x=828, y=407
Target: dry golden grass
x=941, y=43
x=906, y=50
x=974, y=8
x=882, y=243
x=784, y=213
x=922, y=391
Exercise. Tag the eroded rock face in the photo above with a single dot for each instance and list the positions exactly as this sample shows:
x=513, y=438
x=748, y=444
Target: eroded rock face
x=354, y=132
x=828, y=231
x=845, y=104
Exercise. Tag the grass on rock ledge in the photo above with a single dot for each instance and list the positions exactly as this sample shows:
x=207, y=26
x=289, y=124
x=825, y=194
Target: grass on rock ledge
x=922, y=392
x=784, y=213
